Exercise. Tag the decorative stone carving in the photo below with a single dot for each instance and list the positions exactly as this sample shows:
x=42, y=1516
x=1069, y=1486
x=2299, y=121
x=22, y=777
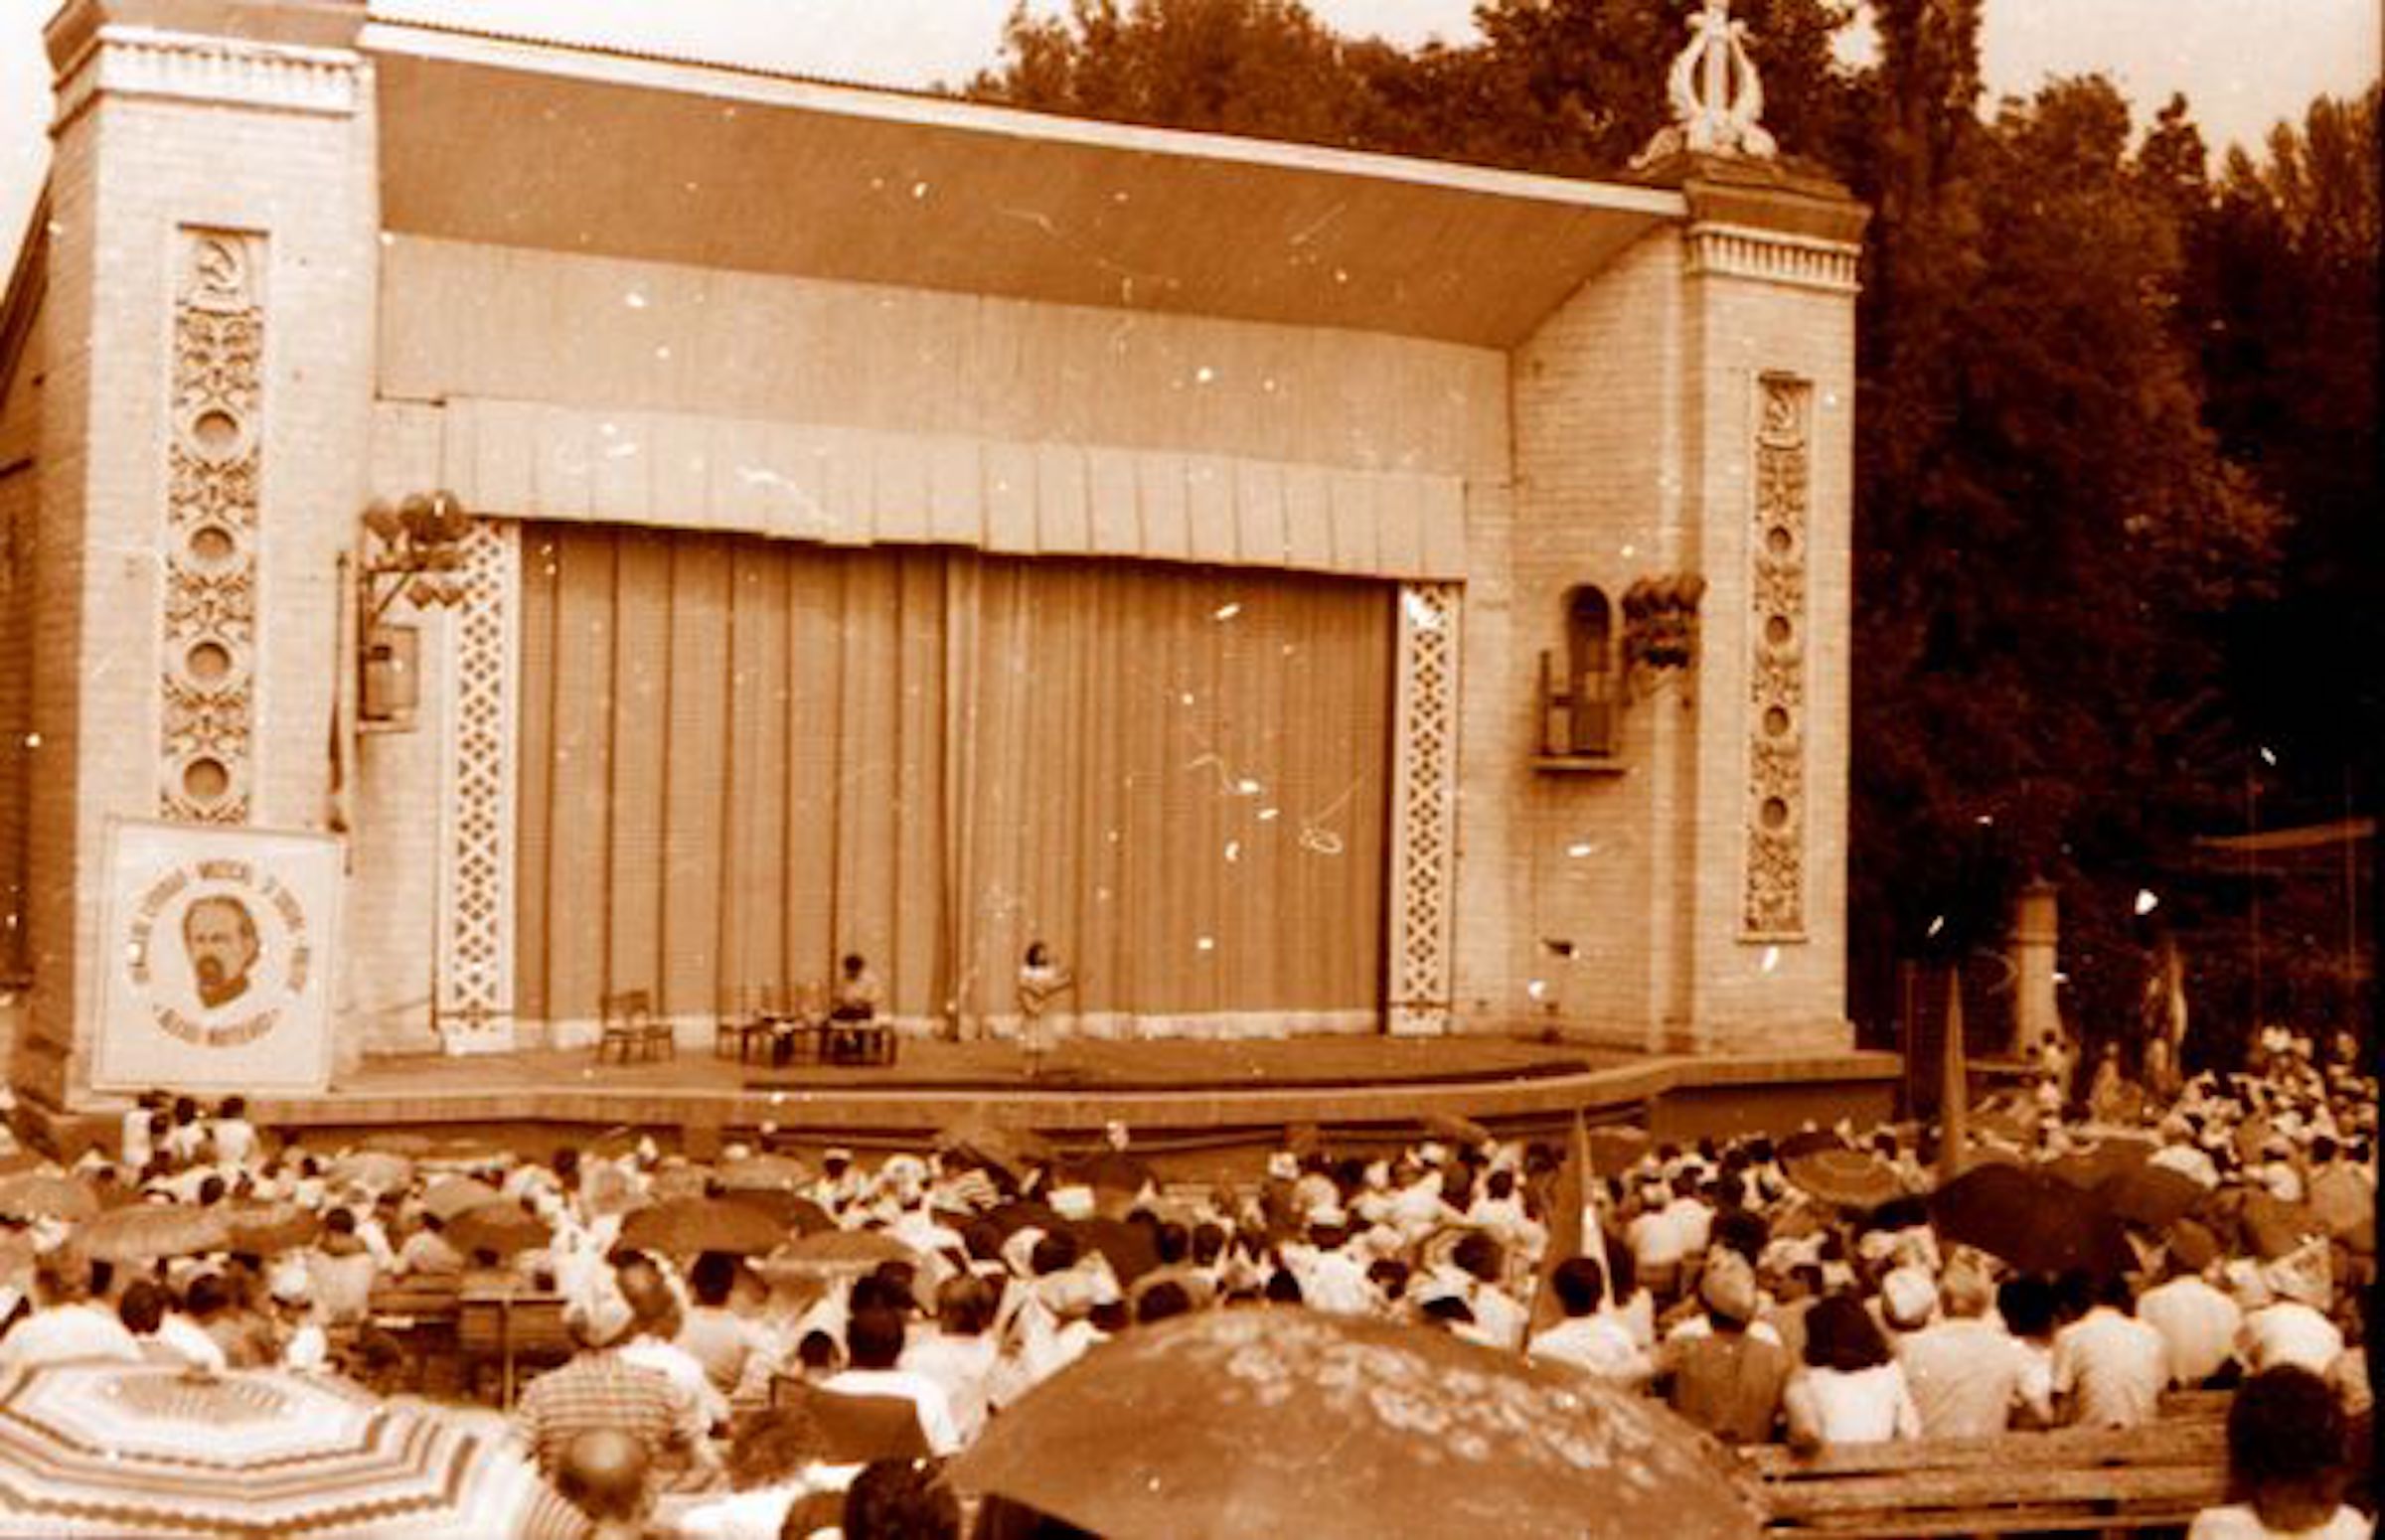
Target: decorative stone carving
x=475, y=984
x=209, y=611
x=124, y=61
x=1424, y=787
x=1774, y=256
x=1716, y=98
x=1775, y=896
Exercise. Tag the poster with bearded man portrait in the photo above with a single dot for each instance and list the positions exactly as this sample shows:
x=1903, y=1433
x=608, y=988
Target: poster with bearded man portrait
x=218, y=959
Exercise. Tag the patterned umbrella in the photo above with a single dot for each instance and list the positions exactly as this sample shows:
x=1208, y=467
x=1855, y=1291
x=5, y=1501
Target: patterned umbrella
x=40, y=1194
x=1285, y=1421
x=96, y=1448
x=148, y=1231
x=1851, y=1178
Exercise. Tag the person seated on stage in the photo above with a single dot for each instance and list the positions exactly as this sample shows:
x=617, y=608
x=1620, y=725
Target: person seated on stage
x=853, y=1005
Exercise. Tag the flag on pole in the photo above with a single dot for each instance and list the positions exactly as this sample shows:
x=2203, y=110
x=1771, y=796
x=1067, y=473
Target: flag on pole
x=1574, y=1228
x=1954, y=1087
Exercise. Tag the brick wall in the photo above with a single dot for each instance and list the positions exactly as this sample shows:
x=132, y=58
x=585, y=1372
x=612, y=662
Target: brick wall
x=129, y=172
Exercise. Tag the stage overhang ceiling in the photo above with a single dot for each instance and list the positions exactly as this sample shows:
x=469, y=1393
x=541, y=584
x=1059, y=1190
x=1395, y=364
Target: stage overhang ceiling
x=526, y=143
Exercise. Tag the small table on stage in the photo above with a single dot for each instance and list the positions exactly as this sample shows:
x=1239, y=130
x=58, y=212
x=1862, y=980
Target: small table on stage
x=792, y=1035
x=864, y=1040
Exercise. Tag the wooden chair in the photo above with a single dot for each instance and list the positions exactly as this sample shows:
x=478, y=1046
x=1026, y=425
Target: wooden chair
x=855, y=1429
x=631, y=1028
x=797, y=1026
x=744, y=1021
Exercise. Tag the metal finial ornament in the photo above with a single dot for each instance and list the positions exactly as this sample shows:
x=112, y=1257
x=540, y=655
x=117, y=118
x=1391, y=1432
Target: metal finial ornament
x=1717, y=100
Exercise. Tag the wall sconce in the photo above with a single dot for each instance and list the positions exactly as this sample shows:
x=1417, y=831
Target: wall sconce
x=414, y=547
x=1660, y=626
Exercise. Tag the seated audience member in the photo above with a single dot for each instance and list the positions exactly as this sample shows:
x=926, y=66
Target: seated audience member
x=67, y=1322
x=1726, y=1379
x=1965, y=1369
x=901, y=1499
x=711, y=1333
x=874, y=1344
x=2109, y=1367
x=2285, y=1464
x=1589, y=1338
x=1851, y=1390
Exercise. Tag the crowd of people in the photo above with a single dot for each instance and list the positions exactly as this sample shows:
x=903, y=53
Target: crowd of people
x=1707, y=1273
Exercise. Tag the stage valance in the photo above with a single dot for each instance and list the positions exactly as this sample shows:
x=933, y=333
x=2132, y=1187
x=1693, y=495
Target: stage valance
x=848, y=486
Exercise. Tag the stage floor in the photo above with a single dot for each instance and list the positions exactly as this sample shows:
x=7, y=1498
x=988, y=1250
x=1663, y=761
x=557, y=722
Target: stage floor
x=1185, y=1092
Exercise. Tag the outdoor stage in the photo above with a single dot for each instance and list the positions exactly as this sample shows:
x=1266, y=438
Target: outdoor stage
x=1185, y=1095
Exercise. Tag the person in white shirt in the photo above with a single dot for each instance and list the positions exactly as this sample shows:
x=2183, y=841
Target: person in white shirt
x=2110, y=1367
x=2198, y=1325
x=1964, y=1371
x=874, y=1344
x=960, y=1354
x=232, y=1134
x=1587, y=1337
x=68, y=1323
x=1669, y=1233
x=658, y=1315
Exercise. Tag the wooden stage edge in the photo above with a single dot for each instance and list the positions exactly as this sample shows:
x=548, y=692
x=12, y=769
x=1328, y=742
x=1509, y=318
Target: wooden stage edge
x=698, y=1099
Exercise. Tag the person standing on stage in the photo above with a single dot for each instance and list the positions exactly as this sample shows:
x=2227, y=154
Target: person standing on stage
x=1040, y=980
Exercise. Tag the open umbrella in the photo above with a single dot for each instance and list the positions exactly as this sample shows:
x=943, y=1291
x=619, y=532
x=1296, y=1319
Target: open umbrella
x=266, y=1228
x=786, y=1211
x=1806, y=1142
x=456, y=1196
x=1616, y=1148
x=1851, y=1178
x=1457, y=1129
x=765, y=1169
x=2149, y=1195
x=1022, y=1213
x=1130, y=1247
x=843, y=1247
x=682, y=1227
x=2274, y=1228
x=382, y=1170
x=979, y=1135
x=2107, y=1157
x=148, y=1231
x=2036, y=1222
x=102, y=1448
x=504, y=1228
x=1111, y=1170
x=1286, y=1421
x=398, y=1141
x=44, y=1195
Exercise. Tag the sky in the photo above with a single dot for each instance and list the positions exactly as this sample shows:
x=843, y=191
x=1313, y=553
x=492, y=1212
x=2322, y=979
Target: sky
x=2243, y=64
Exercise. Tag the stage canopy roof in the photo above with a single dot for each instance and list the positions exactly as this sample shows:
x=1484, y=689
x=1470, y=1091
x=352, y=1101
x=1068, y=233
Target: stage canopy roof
x=551, y=144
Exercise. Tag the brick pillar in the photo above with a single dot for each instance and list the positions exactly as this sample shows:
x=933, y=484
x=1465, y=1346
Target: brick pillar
x=211, y=282
x=1768, y=326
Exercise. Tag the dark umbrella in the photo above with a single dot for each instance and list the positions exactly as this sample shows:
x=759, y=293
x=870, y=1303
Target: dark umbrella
x=784, y=1209
x=2149, y=1195
x=978, y=1136
x=682, y=1227
x=1457, y=1129
x=266, y=1228
x=2272, y=1228
x=1806, y=1142
x=1128, y=1246
x=503, y=1228
x=1112, y=1169
x=1281, y=1421
x=1022, y=1213
x=2036, y=1222
x=2112, y=1156
x=1851, y=1178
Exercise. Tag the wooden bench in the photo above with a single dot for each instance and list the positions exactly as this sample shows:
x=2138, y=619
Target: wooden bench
x=506, y=1329
x=630, y=1026
x=2067, y=1479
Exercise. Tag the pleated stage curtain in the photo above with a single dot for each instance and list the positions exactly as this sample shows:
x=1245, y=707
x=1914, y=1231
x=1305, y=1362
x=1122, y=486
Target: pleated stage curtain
x=741, y=759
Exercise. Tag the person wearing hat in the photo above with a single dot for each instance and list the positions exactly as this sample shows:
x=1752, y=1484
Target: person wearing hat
x=1726, y=1379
